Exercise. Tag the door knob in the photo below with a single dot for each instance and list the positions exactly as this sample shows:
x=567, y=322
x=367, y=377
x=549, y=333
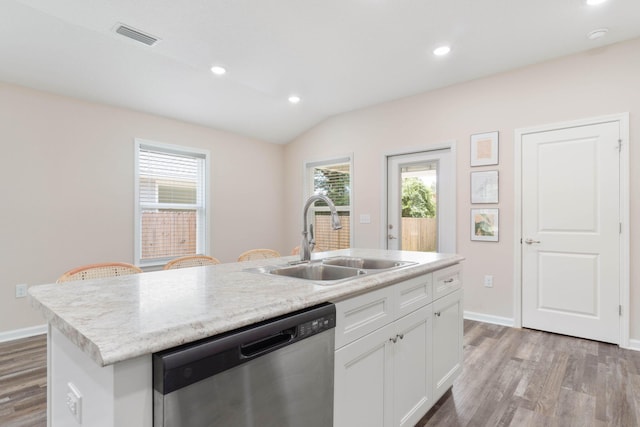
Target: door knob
x=530, y=241
x=392, y=237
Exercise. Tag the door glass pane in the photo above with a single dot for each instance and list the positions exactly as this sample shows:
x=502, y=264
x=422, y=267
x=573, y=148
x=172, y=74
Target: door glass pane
x=419, y=223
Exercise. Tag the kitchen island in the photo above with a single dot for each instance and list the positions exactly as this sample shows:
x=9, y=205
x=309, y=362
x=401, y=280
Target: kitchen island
x=102, y=332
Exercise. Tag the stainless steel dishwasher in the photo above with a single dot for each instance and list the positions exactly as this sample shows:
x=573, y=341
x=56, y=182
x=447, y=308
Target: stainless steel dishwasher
x=276, y=373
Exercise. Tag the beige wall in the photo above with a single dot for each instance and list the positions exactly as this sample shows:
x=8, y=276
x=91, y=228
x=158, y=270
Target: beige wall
x=66, y=168
x=600, y=82
x=67, y=174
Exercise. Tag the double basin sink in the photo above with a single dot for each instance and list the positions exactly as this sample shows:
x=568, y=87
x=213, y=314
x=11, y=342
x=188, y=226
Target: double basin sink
x=332, y=270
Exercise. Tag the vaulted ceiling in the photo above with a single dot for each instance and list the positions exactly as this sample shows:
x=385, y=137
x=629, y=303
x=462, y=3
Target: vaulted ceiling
x=336, y=55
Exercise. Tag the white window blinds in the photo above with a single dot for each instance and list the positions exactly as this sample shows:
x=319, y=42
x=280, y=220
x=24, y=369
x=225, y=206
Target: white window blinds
x=171, y=202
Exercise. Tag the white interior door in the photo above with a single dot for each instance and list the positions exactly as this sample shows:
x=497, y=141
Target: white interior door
x=571, y=231
x=436, y=169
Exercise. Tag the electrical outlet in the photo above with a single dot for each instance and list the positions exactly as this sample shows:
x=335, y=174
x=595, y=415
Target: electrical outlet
x=488, y=281
x=74, y=402
x=21, y=290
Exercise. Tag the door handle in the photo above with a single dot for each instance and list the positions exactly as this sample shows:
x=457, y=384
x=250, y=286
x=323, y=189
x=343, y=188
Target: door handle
x=530, y=241
x=392, y=237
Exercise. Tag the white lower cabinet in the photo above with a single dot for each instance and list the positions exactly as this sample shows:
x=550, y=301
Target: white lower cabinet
x=412, y=394
x=391, y=376
x=383, y=379
x=447, y=341
x=362, y=379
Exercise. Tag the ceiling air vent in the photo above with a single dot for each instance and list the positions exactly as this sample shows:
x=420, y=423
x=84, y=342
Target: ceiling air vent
x=136, y=35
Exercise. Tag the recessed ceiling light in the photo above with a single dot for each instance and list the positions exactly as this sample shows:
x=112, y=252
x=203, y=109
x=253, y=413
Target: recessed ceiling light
x=218, y=70
x=442, y=50
x=596, y=34
x=294, y=99
x=595, y=2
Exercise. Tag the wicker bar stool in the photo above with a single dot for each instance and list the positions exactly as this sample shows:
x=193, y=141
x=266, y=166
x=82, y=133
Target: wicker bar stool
x=258, y=254
x=191, y=261
x=97, y=271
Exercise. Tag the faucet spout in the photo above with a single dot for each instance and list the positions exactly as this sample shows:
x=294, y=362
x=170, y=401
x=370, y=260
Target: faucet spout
x=307, y=244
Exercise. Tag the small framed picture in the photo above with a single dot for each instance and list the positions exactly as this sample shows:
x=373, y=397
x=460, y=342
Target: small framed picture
x=484, y=187
x=484, y=225
x=484, y=149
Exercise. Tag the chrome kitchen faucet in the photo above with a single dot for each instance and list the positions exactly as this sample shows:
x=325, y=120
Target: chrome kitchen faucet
x=307, y=244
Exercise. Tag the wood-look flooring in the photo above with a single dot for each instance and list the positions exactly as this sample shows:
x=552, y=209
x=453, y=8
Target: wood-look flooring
x=511, y=377
x=522, y=377
x=23, y=382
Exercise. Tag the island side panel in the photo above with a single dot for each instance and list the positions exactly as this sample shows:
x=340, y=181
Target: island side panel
x=109, y=394
x=133, y=392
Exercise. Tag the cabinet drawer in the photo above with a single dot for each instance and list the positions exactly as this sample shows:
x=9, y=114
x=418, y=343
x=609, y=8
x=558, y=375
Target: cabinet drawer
x=446, y=280
x=412, y=294
x=363, y=314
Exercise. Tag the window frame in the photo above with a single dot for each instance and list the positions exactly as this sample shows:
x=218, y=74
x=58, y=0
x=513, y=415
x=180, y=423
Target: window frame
x=308, y=189
x=203, y=236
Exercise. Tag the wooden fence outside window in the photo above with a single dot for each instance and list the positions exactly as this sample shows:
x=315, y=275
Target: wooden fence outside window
x=168, y=234
x=172, y=234
x=419, y=234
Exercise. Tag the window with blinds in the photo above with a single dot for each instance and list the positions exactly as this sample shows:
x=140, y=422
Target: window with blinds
x=171, y=202
x=332, y=179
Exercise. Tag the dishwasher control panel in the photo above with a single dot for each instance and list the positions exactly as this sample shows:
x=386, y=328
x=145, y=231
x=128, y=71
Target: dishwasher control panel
x=316, y=326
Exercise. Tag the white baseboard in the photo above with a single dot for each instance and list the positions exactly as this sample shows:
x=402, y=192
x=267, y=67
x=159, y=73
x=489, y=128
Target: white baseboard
x=634, y=345
x=17, y=334
x=488, y=318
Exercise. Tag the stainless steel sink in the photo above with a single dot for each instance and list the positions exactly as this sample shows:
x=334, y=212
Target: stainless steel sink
x=365, y=263
x=316, y=271
x=332, y=270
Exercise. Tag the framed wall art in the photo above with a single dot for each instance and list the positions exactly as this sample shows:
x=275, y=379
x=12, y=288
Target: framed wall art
x=484, y=187
x=484, y=149
x=484, y=225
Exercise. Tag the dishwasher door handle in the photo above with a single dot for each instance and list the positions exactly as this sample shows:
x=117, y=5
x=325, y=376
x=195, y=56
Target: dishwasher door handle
x=263, y=345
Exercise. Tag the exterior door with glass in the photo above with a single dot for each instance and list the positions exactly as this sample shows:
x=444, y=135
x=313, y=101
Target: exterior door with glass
x=421, y=201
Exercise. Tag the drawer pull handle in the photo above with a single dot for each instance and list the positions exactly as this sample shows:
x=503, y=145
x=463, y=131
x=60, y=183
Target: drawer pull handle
x=449, y=280
x=437, y=313
x=395, y=339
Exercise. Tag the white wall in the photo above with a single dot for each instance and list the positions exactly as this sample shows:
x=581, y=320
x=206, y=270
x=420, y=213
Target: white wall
x=599, y=82
x=67, y=180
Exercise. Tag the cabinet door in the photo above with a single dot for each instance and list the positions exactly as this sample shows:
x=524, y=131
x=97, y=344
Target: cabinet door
x=447, y=342
x=362, y=388
x=412, y=367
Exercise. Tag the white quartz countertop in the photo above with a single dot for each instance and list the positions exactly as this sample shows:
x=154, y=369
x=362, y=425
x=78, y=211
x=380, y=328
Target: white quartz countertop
x=120, y=318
